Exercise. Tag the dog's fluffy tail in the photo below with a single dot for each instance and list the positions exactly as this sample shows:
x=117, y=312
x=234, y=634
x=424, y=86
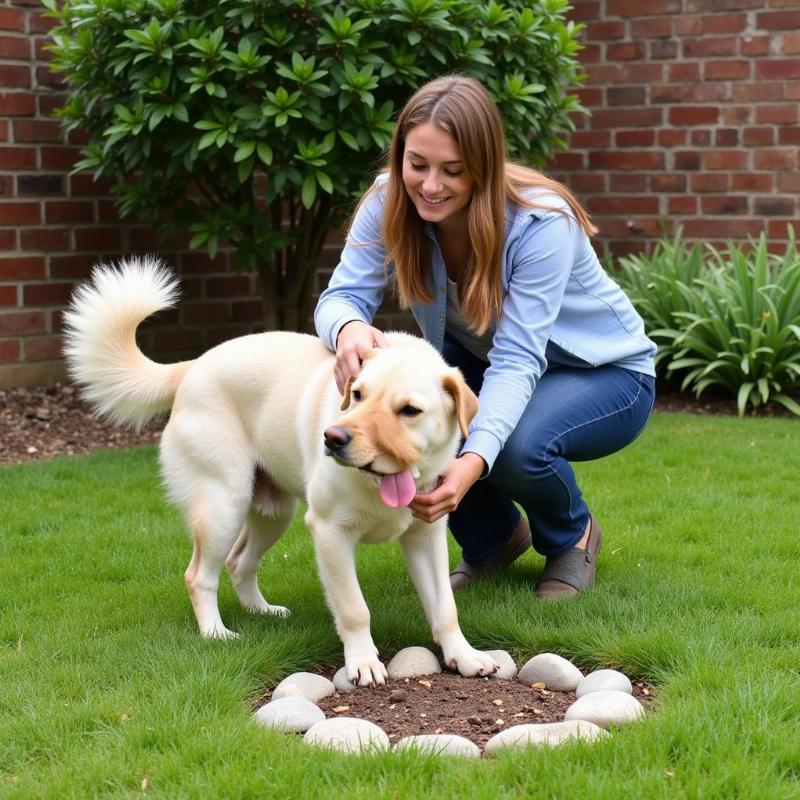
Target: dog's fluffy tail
x=100, y=340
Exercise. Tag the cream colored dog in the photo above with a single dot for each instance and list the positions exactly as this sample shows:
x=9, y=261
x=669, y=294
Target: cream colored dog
x=257, y=423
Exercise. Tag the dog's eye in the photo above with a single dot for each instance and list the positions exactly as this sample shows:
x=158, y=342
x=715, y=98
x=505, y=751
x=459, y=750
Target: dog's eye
x=410, y=411
x=356, y=394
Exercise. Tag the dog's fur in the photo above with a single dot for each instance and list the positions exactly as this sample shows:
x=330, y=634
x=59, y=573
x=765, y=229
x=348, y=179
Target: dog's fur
x=246, y=438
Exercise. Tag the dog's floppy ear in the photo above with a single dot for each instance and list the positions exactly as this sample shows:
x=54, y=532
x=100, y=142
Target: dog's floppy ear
x=464, y=397
x=346, y=392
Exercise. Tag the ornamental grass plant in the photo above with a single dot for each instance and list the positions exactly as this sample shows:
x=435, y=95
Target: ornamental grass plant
x=725, y=318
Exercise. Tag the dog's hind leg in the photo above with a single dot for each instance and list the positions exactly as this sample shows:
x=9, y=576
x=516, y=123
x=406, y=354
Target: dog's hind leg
x=259, y=533
x=216, y=515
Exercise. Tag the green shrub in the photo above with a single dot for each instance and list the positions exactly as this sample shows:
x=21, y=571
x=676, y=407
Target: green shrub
x=256, y=123
x=726, y=318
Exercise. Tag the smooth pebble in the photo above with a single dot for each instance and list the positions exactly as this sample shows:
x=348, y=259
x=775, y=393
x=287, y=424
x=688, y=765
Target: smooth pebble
x=342, y=682
x=413, y=662
x=292, y=714
x=553, y=671
x=348, y=734
x=304, y=684
x=508, y=669
x=606, y=708
x=440, y=744
x=602, y=680
x=550, y=733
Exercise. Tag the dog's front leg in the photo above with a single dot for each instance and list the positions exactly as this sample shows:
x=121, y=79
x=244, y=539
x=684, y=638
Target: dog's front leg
x=336, y=560
x=425, y=548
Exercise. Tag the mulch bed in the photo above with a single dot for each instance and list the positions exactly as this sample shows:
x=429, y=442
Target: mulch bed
x=46, y=421
x=475, y=708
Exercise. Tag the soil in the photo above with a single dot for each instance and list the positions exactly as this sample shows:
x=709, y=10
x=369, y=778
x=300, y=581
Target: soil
x=475, y=708
x=47, y=421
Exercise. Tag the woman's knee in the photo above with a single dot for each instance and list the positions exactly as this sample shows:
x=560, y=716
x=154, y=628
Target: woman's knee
x=527, y=454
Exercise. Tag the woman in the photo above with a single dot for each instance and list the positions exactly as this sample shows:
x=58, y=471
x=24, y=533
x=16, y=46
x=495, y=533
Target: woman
x=495, y=263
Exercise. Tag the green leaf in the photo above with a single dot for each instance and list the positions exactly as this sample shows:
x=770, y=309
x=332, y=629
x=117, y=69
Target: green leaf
x=244, y=151
x=309, y=191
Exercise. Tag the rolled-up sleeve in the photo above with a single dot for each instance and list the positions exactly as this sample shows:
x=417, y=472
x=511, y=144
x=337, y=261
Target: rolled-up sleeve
x=356, y=287
x=541, y=266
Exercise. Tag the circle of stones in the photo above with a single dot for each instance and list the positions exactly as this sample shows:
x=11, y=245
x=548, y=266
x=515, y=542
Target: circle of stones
x=604, y=698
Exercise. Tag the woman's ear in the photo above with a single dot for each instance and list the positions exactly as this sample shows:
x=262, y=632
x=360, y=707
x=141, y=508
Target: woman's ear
x=466, y=403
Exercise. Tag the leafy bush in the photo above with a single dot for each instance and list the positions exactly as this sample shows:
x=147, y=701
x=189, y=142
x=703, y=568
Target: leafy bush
x=728, y=318
x=257, y=122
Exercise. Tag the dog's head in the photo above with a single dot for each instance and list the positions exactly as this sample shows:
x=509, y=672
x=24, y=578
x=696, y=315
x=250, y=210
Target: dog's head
x=402, y=417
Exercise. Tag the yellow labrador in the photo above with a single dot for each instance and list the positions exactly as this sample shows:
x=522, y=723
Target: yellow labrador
x=255, y=424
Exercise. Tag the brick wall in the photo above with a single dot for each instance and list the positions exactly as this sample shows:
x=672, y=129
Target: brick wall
x=695, y=121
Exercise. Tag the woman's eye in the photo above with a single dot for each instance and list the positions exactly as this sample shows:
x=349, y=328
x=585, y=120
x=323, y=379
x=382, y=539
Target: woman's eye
x=410, y=411
x=356, y=395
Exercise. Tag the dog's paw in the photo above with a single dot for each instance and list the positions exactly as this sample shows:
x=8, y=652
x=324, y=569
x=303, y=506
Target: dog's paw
x=471, y=663
x=219, y=632
x=365, y=670
x=269, y=610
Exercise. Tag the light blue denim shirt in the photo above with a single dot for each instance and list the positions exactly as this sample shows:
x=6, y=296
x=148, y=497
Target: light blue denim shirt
x=557, y=299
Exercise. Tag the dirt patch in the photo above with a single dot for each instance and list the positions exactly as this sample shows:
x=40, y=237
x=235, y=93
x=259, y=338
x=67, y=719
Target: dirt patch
x=476, y=708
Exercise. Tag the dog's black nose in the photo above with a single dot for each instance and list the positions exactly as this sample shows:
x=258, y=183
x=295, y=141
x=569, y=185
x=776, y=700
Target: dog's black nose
x=336, y=438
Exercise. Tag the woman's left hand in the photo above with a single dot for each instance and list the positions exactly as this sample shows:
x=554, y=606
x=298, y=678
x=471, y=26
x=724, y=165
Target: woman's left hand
x=456, y=481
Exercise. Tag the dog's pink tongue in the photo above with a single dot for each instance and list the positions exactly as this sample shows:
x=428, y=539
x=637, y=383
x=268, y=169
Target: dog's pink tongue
x=397, y=490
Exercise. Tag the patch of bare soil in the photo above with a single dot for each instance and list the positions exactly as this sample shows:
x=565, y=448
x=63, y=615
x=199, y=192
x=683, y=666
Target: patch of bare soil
x=475, y=708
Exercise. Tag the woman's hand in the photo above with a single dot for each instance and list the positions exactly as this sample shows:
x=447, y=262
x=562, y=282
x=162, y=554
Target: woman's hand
x=354, y=341
x=457, y=480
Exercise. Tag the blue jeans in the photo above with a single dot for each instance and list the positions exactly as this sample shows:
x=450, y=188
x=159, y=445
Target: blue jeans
x=574, y=414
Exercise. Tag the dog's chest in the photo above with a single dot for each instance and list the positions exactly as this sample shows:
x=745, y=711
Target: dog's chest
x=379, y=528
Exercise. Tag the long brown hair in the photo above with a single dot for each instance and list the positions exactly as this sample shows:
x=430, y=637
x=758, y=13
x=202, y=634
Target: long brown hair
x=461, y=107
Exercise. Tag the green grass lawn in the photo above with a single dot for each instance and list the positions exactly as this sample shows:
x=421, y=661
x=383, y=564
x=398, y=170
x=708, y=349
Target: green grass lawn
x=106, y=684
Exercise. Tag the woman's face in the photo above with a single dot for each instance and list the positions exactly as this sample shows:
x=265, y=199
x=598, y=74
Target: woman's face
x=435, y=176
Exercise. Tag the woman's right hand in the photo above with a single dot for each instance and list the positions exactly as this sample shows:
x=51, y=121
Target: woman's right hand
x=353, y=343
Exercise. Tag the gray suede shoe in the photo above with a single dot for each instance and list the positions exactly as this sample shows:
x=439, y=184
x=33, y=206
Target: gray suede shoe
x=573, y=571
x=519, y=542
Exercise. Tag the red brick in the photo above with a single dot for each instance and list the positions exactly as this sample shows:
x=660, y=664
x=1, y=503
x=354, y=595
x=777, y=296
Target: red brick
x=18, y=323
x=670, y=137
x=775, y=206
x=709, y=182
x=612, y=29
x=688, y=93
x=737, y=115
x=43, y=348
x=41, y=23
x=642, y=8
x=8, y=295
x=635, y=138
x=107, y=211
x=651, y=28
x=218, y=335
x=693, y=115
x=721, y=5
x=85, y=185
x=11, y=19
x=777, y=229
x=726, y=137
x=592, y=140
x=667, y=182
x=726, y=70
x=48, y=240
x=590, y=97
x=15, y=47
x=205, y=313
x=700, y=137
x=98, y=239
x=580, y=182
x=15, y=77
x=17, y=157
x=752, y=181
x=46, y=78
x=789, y=135
x=755, y=46
x=776, y=159
x=69, y=211
x=6, y=186
x=726, y=159
x=776, y=115
x=703, y=48
x=688, y=160
x=8, y=239
x=662, y=49
x=228, y=286
x=4, y=130
x=789, y=183
x=778, y=20
x=627, y=160
x=178, y=339
x=721, y=228
x=9, y=348
x=757, y=92
x=59, y=157
x=584, y=10
x=791, y=44
x=247, y=311
x=627, y=182
x=19, y=267
x=591, y=54
x=47, y=294
x=684, y=71
x=682, y=205
x=627, y=117
x=12, y=213
x=791, y=91
x=37, y=130
x=626, y=95
x=625, y=51
x=70, y=266
x=724, y=23
x=144, y=239
x=778, y=68
x=688, y=26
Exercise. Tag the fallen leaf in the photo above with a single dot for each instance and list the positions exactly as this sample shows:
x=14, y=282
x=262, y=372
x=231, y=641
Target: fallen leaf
x=439, y=730
x=497, y=702
x=538, y=685
x=144, y=784
x=426, y=684
x=538, y=712
x=339, y=709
